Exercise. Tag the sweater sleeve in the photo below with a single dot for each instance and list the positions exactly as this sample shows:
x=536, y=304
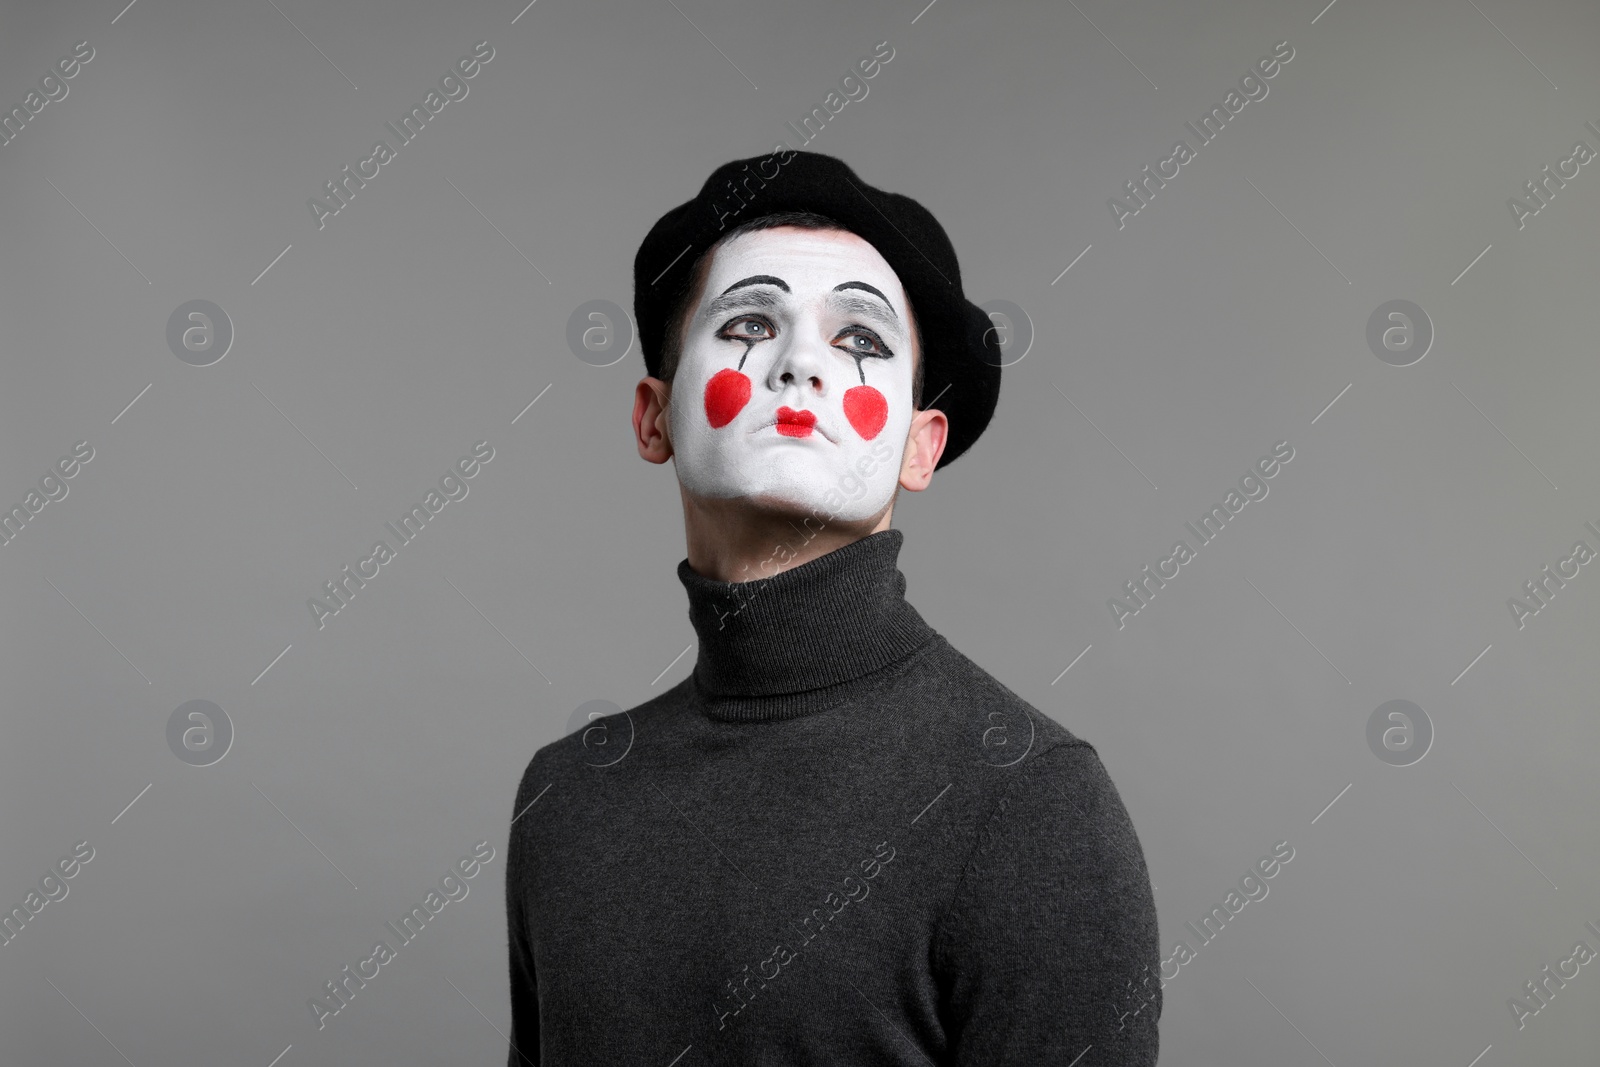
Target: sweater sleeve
x=1050, y=941
x=524, y=1047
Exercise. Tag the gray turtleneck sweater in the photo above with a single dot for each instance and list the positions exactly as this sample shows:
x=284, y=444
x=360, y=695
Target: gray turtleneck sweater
x=837, y=842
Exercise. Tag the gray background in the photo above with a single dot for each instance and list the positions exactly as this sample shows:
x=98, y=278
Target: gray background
x=1222, y=319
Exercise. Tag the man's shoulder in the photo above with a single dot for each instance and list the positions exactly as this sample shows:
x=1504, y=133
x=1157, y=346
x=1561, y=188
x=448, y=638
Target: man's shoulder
x=972, y=700
x=598, y=740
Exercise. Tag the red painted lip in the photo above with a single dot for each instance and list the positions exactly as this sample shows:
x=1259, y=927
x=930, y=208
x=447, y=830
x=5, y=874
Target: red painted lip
x=799, y=418
x=792, y=423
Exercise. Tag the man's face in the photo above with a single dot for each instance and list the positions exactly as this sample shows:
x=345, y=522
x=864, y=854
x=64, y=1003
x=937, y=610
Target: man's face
x=794, y=384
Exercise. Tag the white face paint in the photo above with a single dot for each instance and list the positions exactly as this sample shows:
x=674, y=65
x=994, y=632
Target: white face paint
x=794, y=384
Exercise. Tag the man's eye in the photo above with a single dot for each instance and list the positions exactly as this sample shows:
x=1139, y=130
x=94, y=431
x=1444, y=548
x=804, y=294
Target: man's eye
x=865, y=344
x=747, y=329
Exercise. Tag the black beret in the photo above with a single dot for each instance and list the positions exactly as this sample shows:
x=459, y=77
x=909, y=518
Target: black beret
x=961, y=355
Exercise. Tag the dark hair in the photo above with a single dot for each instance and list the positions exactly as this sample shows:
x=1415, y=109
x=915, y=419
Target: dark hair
x=689, y=294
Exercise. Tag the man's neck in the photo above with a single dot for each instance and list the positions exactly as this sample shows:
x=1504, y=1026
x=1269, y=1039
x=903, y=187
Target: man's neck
x=732, y=541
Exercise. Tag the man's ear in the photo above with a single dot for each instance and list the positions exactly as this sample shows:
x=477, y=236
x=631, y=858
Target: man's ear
x=650, y=431
x=924, y=445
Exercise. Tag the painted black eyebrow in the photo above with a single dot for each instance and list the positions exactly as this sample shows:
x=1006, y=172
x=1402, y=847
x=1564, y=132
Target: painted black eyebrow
x=875, y=292
x=729, y=300
x=725, y=302
x=870, y=310
x=761, y=279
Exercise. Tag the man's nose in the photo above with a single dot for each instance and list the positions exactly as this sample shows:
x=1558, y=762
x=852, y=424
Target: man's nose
x=805, y=361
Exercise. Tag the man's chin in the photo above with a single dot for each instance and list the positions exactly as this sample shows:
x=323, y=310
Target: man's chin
x=793, y=486
x=784, y=505
x=793, y=504
x=774, y=503
x=799, y=508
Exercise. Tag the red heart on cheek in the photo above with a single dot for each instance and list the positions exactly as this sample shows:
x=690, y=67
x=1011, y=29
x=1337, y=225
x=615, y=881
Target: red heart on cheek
x=727, y=393
x=866, y=409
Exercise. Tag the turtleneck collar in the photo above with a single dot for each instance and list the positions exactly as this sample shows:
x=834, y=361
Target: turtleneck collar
x=785, y=645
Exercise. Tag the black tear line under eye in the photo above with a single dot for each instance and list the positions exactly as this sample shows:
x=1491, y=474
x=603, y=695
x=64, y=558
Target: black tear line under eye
x=887, y=353
x=750, y=342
